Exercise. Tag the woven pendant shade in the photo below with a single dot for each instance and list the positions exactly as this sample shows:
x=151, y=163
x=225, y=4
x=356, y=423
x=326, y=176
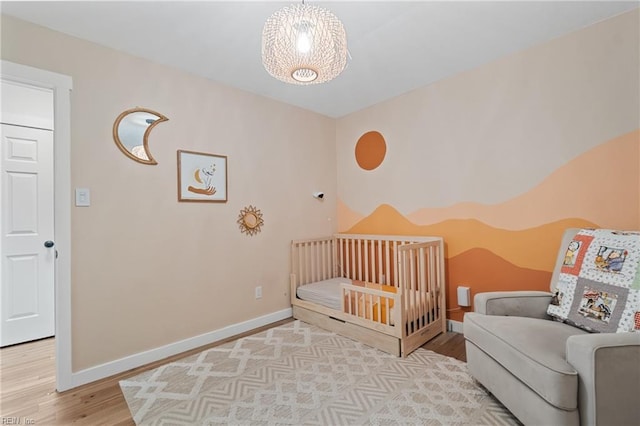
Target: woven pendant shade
x=303, y=44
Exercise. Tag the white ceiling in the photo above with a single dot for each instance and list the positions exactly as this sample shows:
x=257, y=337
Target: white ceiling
x=395, y=46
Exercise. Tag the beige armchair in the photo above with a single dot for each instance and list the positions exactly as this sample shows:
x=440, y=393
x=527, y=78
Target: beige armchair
x=548, y=372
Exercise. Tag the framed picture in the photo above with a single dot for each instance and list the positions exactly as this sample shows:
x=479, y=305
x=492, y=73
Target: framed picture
x=202, y=177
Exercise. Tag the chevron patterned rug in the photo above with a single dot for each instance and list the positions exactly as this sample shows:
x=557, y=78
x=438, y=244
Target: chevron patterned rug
x=299, y=374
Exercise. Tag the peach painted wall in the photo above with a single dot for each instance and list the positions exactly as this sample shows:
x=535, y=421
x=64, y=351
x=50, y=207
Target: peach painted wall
x=146, y=270
x=499, y=160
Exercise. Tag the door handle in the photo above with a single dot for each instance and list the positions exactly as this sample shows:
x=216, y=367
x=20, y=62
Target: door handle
x=49, y=244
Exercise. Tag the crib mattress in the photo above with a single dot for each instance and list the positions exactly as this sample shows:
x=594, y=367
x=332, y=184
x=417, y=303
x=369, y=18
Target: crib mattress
x=325, y=293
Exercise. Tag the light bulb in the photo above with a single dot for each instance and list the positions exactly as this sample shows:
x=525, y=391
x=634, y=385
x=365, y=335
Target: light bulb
x=303, y=43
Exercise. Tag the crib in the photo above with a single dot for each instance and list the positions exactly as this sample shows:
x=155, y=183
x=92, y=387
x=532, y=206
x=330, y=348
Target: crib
x=384, y=291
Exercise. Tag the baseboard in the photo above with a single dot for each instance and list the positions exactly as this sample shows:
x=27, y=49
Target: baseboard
x=133, y=361
x=455, y=326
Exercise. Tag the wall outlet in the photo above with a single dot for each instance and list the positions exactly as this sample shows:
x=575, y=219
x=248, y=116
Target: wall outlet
x=464, y=296
x=259, y=292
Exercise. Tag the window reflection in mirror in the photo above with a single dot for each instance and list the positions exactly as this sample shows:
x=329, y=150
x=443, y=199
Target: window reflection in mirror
x=131, y=133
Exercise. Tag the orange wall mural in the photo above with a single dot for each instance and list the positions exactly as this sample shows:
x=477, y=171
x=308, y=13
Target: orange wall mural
x=513, y=245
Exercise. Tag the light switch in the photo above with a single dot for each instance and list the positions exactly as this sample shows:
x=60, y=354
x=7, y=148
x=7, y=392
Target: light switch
x=83, y=197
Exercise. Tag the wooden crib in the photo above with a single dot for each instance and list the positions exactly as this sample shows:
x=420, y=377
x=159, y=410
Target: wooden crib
x=391, y=288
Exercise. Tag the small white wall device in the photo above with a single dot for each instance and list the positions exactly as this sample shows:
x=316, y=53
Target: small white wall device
x=319, y=195
x=464, y=296
x=83, y=197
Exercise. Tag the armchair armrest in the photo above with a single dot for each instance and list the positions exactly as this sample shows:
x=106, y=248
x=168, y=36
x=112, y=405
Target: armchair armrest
x=608, y=377
x=531, y=304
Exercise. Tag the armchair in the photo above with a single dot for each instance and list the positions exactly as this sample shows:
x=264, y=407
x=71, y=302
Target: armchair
x=549, y=372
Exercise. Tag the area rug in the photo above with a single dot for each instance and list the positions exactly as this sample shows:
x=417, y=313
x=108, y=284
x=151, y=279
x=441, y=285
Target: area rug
x=299, y=374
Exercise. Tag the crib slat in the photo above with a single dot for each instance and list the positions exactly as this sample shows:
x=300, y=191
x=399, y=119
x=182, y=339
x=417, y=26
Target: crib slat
x=320, y=268
x=432, y=284
x=337, y=257
x=414, y=270
x=403, y=270
x=394, y=249
x=343, y=258
x=321, y=261
x=440, y=282
x=427, y=293
x=416, y=256
x=331, y=260
x=298, y=267
x=407, y=280
x=421, y=288
x=354, y=267
x=371, y=269
x=365, y=249
x=407, y=291
x=310, y=261
x=314, y=262
x=407, y=283
x=387, y=308
x=359, y=263
x=303, y=264
x=317, y=258
x=361, y=258
x=340, y=251
x=424, y=287
x=377, y=261
x=387, y=261
x=309, y=265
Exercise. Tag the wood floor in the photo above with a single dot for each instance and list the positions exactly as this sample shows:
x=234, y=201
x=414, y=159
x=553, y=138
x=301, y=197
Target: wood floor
x=28, y=396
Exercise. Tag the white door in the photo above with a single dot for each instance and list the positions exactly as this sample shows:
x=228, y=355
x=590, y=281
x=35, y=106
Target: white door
x=27, y=231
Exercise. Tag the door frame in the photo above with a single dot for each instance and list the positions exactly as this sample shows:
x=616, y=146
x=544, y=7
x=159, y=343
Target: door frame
x=61, y=86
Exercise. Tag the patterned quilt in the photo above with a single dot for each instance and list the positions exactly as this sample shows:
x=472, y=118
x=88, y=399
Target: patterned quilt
x=598, y=288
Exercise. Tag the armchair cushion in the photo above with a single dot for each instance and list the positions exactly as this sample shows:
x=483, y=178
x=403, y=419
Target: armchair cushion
x=598, y=284
x=532, y=350
x=531, y=304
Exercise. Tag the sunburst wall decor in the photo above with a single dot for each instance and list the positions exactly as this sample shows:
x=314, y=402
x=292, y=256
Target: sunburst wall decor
x=250, y=220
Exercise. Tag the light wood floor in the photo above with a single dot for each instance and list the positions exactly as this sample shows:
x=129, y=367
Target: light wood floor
x=27, y=385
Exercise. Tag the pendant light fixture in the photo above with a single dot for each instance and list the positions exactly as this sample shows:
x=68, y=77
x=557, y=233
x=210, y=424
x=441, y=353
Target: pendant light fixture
x=304, y=44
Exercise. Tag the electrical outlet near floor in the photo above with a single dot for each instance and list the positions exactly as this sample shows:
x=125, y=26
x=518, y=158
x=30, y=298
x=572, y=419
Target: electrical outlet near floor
x=259, y=292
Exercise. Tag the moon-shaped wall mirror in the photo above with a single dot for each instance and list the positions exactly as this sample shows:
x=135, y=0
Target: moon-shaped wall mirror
x=131, y=133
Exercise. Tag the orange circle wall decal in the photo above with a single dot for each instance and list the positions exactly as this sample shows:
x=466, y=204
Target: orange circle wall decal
x=370, y=150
